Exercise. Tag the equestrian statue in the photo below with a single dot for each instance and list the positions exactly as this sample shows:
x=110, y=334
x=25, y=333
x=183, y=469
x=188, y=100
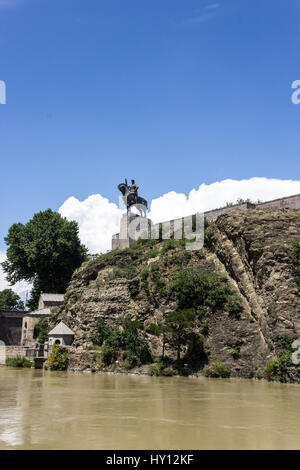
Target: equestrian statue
x=131, y=197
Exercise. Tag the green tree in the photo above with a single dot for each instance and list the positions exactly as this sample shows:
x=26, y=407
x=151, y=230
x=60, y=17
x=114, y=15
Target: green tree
x=180, y=328
x=58, y=359
x=9, y=300
x=194, y=288
x=41, y=330
x=160, y=330
x=45, y=251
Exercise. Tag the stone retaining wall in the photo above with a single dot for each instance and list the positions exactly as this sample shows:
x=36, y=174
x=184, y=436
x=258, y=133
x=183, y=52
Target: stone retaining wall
x=292, y=202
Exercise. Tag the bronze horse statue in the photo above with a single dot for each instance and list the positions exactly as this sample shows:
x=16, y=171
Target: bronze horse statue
x=131, y=197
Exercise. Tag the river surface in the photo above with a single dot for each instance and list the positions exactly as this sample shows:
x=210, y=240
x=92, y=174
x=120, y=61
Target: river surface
x=64, y=410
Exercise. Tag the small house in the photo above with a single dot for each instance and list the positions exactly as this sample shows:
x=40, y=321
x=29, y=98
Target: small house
x=47, y=302
x=61, y=334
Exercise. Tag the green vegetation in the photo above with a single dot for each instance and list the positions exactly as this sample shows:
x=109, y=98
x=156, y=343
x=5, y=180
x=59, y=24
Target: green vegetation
x=195, y=289
x=18, y=361
x=46, y=251
x=284, y=342
x=159, y=285
x=234, y=306
x=58, y=359
x=160, y=330
x=9, y=300
x=204, y=327
x=243, y=201
x=180, y=329
x=102, y=331
x=41, y=330
x=128, y=272
x=217, y=369
x=235, y=352
x=277, y=369
x=125, y=341
x=295, y=262
x=208, y=237
x=144, y=281
x=162, y=366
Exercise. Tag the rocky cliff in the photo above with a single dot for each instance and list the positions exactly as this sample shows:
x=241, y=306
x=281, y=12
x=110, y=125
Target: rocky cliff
x=252, y=249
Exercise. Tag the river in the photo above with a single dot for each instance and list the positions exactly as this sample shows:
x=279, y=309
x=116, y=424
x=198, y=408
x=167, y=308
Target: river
x=64, y=410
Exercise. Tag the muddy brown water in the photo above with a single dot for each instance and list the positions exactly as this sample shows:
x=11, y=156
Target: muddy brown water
x=64, y=410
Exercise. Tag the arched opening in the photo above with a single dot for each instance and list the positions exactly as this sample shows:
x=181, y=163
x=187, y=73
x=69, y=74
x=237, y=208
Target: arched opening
x=57, y=341
x=25, y=324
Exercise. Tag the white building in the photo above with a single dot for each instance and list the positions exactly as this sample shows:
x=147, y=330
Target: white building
x=61, y=334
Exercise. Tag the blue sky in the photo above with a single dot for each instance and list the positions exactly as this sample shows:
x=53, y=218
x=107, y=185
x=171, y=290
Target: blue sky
x=173, y=93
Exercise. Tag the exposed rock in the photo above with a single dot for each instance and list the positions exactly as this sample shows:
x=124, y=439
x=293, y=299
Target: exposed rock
x=251, y=248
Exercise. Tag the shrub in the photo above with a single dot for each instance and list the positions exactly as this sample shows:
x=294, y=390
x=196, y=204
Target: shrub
x=135, y=348
x=102, y=330
x=235, y=352
x=208, y=237
x=18, y=361
x=171, y=244
x=58, y=359
x=217, y=369
x=109, y=354
x=234, y=306
x=194, y=288
x=128, y=272
x=132, y=361
x=284, y=342
x=158, y=283
x=204, y=327
x=277, y=369
x=134, y=288
x=160, y=368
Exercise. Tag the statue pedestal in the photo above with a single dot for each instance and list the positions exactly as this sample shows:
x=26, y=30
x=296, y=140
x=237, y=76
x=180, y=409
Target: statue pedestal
x=132, y=228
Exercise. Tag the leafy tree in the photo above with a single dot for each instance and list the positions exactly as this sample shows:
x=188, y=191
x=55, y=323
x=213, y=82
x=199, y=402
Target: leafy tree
x=158, y=330
x=102, y=332
x=9, y=300
x=180, y=328
x=194, y=289
x=127, y=340
x=41, y=330
x=45, y=251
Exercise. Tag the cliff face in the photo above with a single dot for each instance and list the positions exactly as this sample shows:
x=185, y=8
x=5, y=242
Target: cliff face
x=251, y=248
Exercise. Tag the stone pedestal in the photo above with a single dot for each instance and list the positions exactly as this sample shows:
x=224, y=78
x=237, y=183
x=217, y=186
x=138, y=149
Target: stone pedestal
x=132, y=227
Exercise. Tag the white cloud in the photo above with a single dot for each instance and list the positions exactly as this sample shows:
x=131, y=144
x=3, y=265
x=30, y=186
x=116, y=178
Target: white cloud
x=99, y=219
x=21, y=288
x=212, y=196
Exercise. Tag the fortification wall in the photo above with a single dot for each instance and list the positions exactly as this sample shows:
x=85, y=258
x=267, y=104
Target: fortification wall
x=11, y=327
x=292, y=202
